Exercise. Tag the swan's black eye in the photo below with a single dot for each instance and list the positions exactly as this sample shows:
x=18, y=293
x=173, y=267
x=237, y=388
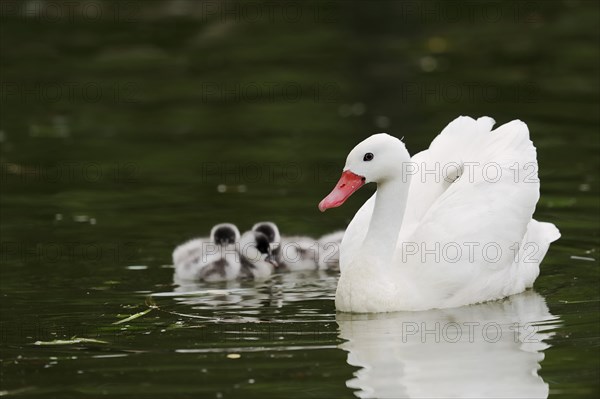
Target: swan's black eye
x=368, y=156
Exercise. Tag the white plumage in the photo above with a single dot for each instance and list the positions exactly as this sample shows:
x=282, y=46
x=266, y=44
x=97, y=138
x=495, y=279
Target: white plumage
x=448, y=227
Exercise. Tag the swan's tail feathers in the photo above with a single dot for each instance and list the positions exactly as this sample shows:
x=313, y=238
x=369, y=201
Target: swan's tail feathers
x=534, y=248
x=549, y=231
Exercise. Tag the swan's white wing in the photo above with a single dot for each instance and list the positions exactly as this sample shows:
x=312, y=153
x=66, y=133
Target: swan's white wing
x=498, y=185
x=477, y=224
x=434, y=169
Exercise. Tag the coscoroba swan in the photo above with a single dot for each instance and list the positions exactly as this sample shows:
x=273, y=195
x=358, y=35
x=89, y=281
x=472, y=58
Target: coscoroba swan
x=450, y=226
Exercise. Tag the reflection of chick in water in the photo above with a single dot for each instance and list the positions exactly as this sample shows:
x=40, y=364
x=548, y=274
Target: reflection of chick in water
x=485, y=350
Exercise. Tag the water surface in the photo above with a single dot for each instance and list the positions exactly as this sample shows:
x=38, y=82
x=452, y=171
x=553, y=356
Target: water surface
x=125, y=135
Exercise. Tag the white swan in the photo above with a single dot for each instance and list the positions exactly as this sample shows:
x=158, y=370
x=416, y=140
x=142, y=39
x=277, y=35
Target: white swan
x=452, y=226
x=209, y=259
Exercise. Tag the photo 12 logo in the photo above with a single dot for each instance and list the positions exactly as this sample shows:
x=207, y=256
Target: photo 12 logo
x=70, y=172
x=269, y=92
x=251, y=172
x=69, y=11
x=74, y=92
x=57, y=252
x=284, y=11
x=470, y=252
x=466, y=171
x=468, y=331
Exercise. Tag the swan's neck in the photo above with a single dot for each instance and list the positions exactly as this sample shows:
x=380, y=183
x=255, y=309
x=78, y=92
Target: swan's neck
x=386, y=220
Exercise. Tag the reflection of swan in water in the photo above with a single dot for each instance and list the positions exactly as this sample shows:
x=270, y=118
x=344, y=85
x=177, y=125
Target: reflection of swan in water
x=486, y=350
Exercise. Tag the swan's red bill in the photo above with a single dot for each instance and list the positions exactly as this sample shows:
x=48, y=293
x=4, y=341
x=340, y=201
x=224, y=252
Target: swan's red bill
x=348, y=184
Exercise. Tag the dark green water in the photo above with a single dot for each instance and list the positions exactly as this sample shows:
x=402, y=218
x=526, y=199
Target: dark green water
x=119, y=122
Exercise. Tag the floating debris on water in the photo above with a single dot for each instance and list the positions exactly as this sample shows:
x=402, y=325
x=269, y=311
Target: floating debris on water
x=110, y=356
x=582, y=258
x=136, y=267
x=134, y=316
x=71, y=341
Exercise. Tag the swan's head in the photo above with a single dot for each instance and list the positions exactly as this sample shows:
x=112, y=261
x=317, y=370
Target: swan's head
x=224, y=234
x=256, y=247
x=376, y=159
x=270, y=230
